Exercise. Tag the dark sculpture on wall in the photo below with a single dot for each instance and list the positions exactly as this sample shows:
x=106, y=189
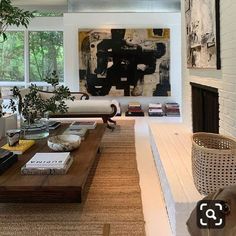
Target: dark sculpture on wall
x=122, y=63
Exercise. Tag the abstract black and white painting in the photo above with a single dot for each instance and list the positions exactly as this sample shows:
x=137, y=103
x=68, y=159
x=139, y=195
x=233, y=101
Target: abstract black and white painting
x=125, y=62
x=202, y=29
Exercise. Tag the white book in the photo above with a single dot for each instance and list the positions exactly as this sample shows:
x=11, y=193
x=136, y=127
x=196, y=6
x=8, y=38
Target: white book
x=83, y=124
x=47, y=171
x=48, y=160
x=155, y=110
x=155, y=105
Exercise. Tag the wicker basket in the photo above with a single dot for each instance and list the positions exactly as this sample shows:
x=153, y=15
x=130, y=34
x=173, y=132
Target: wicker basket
x=213, y=162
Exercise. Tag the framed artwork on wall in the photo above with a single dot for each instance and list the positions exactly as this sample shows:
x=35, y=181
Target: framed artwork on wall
x=124, y=62
x=202, y=34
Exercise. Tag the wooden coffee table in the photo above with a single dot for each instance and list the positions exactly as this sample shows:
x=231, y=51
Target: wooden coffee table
x=15, y=187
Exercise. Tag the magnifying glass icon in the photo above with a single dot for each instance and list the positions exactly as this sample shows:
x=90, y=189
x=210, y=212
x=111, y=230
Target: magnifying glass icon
x=210, y=213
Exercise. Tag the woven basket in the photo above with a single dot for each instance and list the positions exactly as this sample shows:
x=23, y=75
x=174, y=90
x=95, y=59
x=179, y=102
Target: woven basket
x=213, y=162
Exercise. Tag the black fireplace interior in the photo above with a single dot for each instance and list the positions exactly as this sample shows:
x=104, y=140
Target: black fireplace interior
x=205, y=108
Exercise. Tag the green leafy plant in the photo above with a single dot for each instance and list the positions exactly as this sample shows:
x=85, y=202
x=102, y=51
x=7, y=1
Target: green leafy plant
x=11, y=15
x=33, y=106
x=53, y=79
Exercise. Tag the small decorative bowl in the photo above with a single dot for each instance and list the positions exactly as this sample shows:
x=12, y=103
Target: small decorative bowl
x=64, y=142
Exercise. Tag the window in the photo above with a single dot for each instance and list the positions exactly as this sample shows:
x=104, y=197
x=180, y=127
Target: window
x=46, y=54
x=12, y=57
x=30, y=56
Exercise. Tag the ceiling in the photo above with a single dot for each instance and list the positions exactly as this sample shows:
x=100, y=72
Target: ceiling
x=102, y=5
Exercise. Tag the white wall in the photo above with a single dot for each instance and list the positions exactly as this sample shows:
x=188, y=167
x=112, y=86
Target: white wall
x=224, y=79
x=42, y=23
x=75, y=21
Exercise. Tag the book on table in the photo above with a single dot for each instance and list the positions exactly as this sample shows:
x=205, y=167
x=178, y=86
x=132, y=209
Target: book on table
x=7, y=159
x=52, y=124
x=48, y=163
x=48, y=160
x=83, y=124
x=47, y=170
x=19, y=148
x=4, y=154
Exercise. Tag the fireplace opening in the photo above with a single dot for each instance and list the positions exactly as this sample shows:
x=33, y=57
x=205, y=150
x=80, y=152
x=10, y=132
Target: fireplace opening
x=205, y=108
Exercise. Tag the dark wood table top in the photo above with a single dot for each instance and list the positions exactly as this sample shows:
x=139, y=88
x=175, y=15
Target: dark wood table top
x=15, y=187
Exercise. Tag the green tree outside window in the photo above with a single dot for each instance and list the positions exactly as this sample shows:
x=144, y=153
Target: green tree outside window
x=12, y=57
x=46, y=54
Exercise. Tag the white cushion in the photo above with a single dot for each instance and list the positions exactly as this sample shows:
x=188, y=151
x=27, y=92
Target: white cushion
x=24, y=91
x=45, y=96
x=89, y=106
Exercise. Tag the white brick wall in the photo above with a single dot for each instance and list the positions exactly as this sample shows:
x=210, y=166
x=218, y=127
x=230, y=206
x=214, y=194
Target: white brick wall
x=224, y=79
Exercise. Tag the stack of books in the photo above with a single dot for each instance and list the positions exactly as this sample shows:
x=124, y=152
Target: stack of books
x=172, y=109
x=155, y=109
x=7, y=159
x=134, y=109
x=21, y=147
x=83, y=125
x=52, y=124
x=48, y=164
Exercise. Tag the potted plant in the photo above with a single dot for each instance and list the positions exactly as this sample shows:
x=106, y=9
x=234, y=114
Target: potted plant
x=32, y=107
x=11, y=15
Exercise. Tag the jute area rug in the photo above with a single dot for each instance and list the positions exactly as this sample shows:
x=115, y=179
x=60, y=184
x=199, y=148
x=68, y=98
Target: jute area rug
x=112, y=202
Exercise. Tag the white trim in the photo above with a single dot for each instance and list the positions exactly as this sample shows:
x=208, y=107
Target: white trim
x=12, y=83
x=26, y=56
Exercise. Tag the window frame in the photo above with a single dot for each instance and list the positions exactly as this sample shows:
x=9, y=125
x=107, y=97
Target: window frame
x=37, y=24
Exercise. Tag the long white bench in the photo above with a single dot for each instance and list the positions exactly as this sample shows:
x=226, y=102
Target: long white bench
x=82, y=106
x=171, y=146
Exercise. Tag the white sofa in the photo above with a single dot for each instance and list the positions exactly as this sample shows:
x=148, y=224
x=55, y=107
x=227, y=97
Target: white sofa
x=82, y=106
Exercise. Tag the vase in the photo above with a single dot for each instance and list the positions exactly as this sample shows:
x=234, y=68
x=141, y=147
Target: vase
x=36, y=129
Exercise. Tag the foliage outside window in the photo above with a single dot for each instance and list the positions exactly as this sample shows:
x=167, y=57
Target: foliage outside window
x=46, y=54
x=12, y=57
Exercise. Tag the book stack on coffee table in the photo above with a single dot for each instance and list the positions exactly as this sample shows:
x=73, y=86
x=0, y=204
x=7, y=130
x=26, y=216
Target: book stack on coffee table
x=83, y=124
x=52, y=124
x=20, y=148
x=48, y=164
x=7, y=159
x=134, y=109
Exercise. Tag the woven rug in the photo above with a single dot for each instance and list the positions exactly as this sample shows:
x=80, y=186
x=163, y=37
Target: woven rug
x=112, y=201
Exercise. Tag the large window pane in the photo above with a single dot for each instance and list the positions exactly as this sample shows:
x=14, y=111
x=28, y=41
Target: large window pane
x=46, y=54
x=12, y=57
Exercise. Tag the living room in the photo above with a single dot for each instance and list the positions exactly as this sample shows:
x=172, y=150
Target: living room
x=162, y=144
